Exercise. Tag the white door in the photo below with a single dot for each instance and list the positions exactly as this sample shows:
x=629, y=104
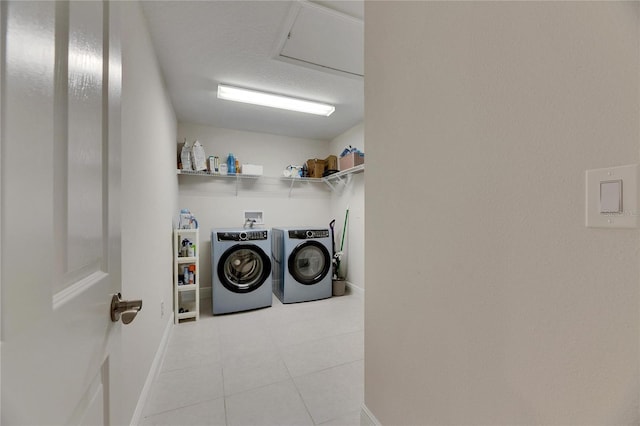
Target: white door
x=59, y=187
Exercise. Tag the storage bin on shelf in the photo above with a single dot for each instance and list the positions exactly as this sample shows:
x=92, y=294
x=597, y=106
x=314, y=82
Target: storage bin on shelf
x=331, y=163
x=315, y=167
x=351, y=160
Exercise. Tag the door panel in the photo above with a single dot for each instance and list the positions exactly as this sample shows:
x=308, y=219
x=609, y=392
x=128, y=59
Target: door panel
x=84, y=143
x=27, y=68
x=60, y=218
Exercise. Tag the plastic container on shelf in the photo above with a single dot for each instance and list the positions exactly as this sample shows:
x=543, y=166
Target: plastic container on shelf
x=231, y=164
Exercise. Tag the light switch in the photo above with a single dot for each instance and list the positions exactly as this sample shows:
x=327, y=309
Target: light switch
x=611, y=196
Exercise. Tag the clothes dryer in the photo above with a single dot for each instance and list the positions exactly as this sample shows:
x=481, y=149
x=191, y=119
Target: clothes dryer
x=240, y=269
x=301, y=264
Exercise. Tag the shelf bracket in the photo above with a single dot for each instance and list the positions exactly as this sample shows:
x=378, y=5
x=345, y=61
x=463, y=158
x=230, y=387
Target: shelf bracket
x=340, y=181
x=330, y=185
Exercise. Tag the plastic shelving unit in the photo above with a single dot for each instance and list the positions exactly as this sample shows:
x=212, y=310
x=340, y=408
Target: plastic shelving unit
x=186, y=295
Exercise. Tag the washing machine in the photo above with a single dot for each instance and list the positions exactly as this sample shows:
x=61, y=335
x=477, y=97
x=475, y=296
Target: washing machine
x=301, y=260
x=240, y=269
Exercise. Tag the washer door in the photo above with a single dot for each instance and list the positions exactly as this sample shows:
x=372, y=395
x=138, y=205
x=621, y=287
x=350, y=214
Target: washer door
x=243, y=268
x=309, y=262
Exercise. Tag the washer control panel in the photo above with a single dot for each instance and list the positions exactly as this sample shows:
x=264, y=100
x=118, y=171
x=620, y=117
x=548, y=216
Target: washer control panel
x=305, y=234
x=243, y=236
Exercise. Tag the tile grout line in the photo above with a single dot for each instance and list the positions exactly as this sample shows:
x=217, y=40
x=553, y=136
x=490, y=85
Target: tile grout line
x=292, y=378
x=181, y=407
x=163, y=372
x=280, y=351
x=319, y=339
x=304, y=342
x=303, y=402
x=257, y=388
x=315, y=372
x=328, y=368
x=224, y=392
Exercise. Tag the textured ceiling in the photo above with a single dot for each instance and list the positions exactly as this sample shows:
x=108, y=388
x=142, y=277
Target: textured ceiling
x=202, y=43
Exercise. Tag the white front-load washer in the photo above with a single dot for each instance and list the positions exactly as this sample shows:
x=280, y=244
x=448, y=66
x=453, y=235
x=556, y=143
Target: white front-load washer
x=240, y=269
x=301, y=264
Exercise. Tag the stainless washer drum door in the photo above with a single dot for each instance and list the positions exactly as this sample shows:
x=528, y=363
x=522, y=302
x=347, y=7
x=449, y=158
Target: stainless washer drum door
x=309, y=262
x=244, y=268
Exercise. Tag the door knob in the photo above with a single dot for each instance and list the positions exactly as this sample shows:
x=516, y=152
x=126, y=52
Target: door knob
x=128, y=309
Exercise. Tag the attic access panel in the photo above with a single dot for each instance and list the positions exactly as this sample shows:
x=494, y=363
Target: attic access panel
x=318, y=37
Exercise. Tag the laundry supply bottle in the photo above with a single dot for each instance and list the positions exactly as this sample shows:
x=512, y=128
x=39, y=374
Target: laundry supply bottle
x=231, y=163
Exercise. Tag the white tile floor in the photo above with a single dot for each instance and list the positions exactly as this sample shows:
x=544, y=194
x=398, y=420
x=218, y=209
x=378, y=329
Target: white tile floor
x=296, y=364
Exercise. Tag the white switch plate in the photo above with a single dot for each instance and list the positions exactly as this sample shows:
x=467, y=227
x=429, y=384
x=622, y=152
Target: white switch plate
x=603, y=209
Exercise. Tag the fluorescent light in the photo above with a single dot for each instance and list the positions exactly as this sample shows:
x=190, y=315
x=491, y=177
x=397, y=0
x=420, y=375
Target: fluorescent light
x=275, y=101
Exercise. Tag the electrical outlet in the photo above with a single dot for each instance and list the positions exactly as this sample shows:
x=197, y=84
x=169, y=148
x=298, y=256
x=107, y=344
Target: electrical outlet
x=162, y=309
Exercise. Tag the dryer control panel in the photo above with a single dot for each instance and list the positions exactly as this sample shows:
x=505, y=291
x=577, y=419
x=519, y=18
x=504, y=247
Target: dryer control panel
x=243, y=236
x=304, y=234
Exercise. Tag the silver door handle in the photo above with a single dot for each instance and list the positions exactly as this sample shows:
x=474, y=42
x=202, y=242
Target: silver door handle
x=128, y=309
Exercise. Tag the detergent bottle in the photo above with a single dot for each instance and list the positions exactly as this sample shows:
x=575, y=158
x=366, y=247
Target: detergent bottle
x=231, y=164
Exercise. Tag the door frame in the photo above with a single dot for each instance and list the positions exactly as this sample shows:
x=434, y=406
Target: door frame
x=3, y=15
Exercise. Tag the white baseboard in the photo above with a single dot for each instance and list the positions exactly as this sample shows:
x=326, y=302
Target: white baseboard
x=367, y=418
x=156, y=366
x=355, y=289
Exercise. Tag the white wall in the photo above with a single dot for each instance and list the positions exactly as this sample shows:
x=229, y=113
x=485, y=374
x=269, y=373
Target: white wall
x=352, y=197
x=214, y=202
x=149, y=200
x=495, y=305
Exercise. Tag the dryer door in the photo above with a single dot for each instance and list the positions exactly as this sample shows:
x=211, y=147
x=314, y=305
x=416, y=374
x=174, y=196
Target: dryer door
x=243, y=268
x=309, y=262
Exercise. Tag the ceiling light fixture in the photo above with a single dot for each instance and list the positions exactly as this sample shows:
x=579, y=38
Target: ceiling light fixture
x=237, y=94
